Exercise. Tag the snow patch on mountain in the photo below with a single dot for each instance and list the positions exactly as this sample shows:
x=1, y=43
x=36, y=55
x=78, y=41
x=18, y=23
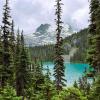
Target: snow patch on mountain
x=46, y=34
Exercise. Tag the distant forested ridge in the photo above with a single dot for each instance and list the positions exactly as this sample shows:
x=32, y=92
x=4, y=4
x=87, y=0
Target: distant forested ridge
x=80, y=41
x=43, y=53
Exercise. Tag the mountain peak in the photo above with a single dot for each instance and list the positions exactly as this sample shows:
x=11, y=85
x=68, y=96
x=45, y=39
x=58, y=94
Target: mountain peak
x=46, y=34
x=43, y=28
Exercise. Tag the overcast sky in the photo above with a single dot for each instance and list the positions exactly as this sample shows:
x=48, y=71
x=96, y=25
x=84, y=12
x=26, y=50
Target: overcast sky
x=29, y=14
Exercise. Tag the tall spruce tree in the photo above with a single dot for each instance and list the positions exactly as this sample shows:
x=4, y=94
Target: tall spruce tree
x=22, y=72
x=6, y=28
x=97, y=38
x=17, y=61
x=59, y=67
x=12, y=39
x=1, y=63
x=12, y=51
x=91, y=57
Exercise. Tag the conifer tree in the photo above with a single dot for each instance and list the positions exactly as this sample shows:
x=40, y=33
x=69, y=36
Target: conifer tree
x=17, y=61
x=84, y=85
x=97, y=38
x=81, y=83
x=75, y=84
x=6, y=68
x=1, y=63
x=47, y=85
x=59, y=67
x=22, y=72
x=38, y=75
x=95, y=91
x=91, y=58
x=12, y=51
x=12, y=39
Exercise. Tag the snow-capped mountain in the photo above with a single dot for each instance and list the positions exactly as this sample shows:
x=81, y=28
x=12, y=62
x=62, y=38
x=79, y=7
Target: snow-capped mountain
x=45, y=34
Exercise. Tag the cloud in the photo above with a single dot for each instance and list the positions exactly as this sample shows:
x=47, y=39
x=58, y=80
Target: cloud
x=76, y=13
x=29, y=14
x=81, y=17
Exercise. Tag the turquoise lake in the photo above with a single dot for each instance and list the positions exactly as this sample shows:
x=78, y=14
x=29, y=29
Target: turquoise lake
x=73, y=71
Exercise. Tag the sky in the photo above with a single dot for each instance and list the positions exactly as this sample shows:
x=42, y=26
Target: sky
x=29, y=14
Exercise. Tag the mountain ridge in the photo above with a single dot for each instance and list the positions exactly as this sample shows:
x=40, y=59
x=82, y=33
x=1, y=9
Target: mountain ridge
x=46, y=34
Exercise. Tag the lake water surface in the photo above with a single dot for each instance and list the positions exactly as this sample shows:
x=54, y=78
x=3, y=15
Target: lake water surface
x=73, y=71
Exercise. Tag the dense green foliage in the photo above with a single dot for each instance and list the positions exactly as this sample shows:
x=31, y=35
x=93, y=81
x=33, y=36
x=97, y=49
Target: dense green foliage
x=9, y=93
x=70, y=94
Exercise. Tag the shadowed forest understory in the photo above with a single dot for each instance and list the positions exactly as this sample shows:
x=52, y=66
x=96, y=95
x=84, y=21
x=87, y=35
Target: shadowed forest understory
x=22, y=74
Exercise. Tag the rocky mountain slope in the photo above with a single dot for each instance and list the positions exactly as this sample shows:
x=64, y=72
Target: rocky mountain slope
x=45, y=34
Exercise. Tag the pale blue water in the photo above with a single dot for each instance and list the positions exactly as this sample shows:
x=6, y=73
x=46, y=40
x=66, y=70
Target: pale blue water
x=73, y=71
